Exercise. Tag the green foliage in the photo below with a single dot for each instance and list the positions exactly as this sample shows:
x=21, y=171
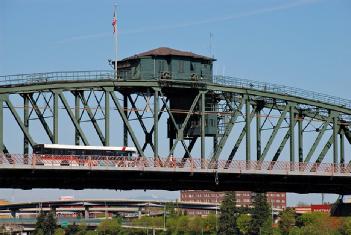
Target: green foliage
x=72, y=229
x=261, y=215
x=346, y=226
x=243, y=222
x=287, y=221
x=210, y=223
x=59, y=231
x=46, y=224
x=109, y=227
x=229, y=214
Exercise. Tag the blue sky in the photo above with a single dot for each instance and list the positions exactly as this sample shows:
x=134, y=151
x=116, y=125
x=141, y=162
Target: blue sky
x=301, y=43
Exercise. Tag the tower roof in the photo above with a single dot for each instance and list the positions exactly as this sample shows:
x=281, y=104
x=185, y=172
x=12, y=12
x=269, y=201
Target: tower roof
x=166, y=51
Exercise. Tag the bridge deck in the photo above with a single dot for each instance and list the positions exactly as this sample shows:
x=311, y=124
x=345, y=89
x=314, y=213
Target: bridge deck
x=38, y=171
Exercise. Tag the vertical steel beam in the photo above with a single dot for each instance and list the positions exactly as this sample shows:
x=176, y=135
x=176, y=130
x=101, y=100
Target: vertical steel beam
x=92, y=118
x=335, y=140
x=292, y=134
x=25, y=121
x=248, y=129
x=77, y=115
x=203, y=151
x=56, y=116
x=300, y=137
x=107, y=118
x=125, y=111
x=258, y=133
x=342, y=147
x=73, y=119
x=1, y=124
x=156, y=112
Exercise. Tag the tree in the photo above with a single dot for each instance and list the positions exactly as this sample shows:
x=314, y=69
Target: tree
x=210, y=223
x=46, y=223
x=287, y=221
x=109, y=227
x=50, y=223
x=261, y=215
x=243, y=222
x=72, y=229
x=229, y=214
x=346, y=226
x=59, y=231
x=40, y=223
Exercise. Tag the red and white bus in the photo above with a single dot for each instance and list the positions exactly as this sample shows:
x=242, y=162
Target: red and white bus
x=76, y=155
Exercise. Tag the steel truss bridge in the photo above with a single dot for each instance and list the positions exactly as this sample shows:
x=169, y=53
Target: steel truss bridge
x=269, y=137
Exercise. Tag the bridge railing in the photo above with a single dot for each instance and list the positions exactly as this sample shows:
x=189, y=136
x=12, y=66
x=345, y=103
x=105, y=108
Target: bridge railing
x=281, y=89
x=34, y=78
x=171, y=164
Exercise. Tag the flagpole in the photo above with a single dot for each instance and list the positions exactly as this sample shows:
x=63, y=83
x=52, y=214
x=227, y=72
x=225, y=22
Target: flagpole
x=116, y=41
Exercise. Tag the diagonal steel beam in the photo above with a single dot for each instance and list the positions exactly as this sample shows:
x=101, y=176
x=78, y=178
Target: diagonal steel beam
x=227, y=131
x=190, y=147
x=73, y=118
x=318, y=139
x=180, y=131
x=140, y=119
x=274, y=132
x=92, y=118
x=325, y=150
x=19, y=121
x=41, y=118
x=126, y=123
x=282, y=145
x=241, y=137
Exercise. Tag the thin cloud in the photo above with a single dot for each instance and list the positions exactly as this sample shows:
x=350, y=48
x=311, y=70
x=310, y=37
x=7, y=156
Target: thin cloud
x=281, y=7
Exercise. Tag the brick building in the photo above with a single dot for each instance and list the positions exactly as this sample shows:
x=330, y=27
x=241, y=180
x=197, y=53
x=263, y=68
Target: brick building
x=243, y=198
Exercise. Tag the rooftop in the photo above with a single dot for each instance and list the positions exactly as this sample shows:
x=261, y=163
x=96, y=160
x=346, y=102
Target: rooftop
x=166, y=51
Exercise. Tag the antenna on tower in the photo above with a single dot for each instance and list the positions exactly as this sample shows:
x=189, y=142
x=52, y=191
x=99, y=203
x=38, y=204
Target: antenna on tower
x=210, y=45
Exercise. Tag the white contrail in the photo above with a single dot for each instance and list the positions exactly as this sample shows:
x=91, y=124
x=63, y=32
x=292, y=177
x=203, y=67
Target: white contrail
x=200, y=22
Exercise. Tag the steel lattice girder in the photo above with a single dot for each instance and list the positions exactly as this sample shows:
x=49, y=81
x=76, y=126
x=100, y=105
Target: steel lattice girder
x=290, y=108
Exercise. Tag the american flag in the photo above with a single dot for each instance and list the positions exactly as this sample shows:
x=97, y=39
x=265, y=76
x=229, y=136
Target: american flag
x=114, y=22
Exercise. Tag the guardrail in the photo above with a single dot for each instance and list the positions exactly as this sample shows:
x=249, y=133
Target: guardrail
x=170, y=164
x=281, y=89
x=222, y=80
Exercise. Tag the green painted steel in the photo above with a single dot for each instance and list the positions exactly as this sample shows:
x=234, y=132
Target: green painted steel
x=248, y=128
x=250, y=99
x=318, y=139
x=300, y=138
x=2, y=124
x=228, y=130
x=125, y=121
x=77, y=115
x=292, y=133
x=203, y=110
x=92, y=119
x=342, y=147
x=56, y=116
x=73, y=119
x=107, y=118
x=155, y=127
x=41, y=118
x=25, y=122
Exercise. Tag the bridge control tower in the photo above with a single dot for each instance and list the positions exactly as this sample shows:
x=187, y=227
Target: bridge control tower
x=166, y=65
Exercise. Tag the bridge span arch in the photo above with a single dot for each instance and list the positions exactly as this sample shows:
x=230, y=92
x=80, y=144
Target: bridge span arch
x=229, y=120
